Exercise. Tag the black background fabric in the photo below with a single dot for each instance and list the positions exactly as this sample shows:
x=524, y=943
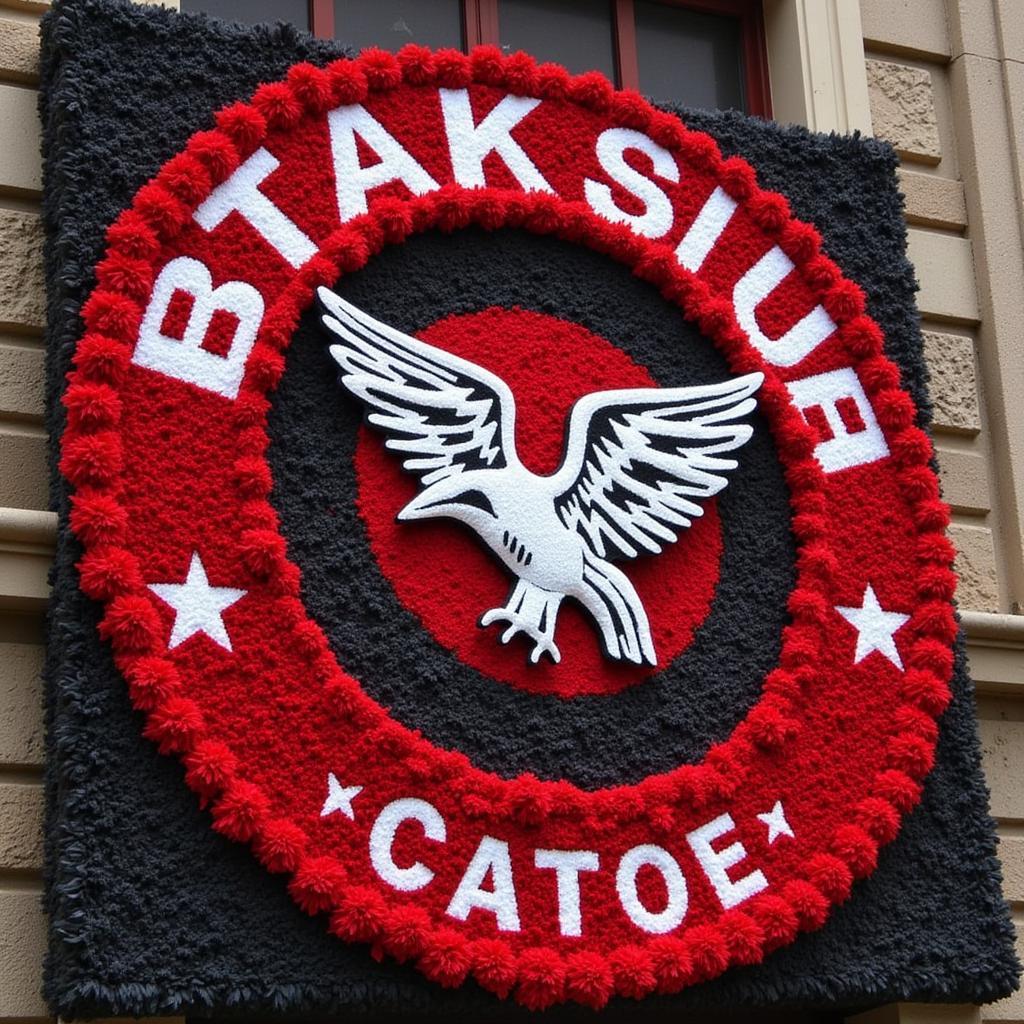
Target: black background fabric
x=668, y=719
x=153, y=913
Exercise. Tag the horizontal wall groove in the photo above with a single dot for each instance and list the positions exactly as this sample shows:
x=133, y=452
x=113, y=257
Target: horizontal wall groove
x=998, y=628
x=20, y=883
x=28, y=526
x=21, y=775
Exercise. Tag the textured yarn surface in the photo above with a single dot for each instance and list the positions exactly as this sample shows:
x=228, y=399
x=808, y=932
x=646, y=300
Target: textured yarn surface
x=651, y=727
x=153, y=912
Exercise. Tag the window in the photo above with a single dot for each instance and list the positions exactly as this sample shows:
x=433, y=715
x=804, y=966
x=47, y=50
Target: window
x=703, y=53
x=251, y=12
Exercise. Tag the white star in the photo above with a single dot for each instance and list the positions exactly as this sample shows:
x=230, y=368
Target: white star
x=198, y=607
x=339, y=798
x=875, y=628
x=775, y=819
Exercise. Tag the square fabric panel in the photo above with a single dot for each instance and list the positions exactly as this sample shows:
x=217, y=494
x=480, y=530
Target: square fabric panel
x=500, y=560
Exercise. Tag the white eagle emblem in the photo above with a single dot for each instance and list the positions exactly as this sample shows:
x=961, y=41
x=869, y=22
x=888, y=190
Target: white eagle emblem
x=637, y=463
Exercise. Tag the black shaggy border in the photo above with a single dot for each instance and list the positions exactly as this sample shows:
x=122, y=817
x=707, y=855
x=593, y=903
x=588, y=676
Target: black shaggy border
x=153, y=913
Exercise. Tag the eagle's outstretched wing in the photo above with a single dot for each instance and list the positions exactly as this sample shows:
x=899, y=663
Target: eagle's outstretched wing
x=440, y=414
x=638, y=462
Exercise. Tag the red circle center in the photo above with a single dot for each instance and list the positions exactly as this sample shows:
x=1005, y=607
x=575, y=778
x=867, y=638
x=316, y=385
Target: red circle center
x=445, y=575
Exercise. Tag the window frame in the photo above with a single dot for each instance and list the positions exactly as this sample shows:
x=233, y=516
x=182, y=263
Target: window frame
x=480, y=25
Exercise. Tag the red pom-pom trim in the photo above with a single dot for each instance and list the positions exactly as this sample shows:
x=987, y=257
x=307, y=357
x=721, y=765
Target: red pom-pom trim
x=494, y=966
x=446, y=958
x=210, y=766
x=312, y=87
x=541, y=979
x=588, y=979
x=808, y=903
x=101, y=359
x=777, y=919
x=112, y=314
x=856, y=849
x=126, y=274
x=452, y=69
x=406, y=937
x=381, y=68
x=348, y=80
x=240, y=811
x=707, y=951
x=106, y=572
x=278, y=104
x=360, y=915
x=131, y=235
x=280, y=846
x=165, y=212
x=831, y=875
x=899, y=789
x=244, y=125
x=633, y=971
x=92, y=406
x=216, y=153
x=151, y=681
x=174, y=725
x=97, y=518
x=318, y=884
x=744, y=937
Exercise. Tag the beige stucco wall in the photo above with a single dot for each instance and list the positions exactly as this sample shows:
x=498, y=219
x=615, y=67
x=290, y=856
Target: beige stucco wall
x=944, y=81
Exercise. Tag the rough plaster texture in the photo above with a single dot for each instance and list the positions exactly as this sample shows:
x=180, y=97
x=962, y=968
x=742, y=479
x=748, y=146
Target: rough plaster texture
x=22, y=294
x=19, y=51
x=23, y=483
x=945, y=268
x=933, y=201
x=21, y=826
x=21, y=701
x=954, y=385
x=978, y=588
x=21, y=380
x=22, y=946
x=903, y=109
x=906, y=26
x=1001, y=738
x=1011, y=852
x=19, y=155
x=965, y=483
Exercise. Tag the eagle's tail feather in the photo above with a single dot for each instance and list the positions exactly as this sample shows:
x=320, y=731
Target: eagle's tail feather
x=616, y=608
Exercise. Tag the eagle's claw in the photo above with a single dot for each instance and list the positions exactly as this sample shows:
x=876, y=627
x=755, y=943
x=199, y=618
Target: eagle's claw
x=542, y=644
x=529, y=609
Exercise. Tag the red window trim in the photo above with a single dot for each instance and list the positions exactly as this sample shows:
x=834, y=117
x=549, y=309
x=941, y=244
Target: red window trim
x=321, y=18
x=480, y=25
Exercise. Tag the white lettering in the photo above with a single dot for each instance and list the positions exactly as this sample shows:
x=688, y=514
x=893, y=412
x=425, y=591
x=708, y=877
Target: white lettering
x=468, y=144
x=184, y=357
x=382, y=839
x=656, y=220
x=753, y=288
x=857, y=438
x=715, y=862
x=241, y=193
x=705, y=231
x=567, y=865
x=352, y=181
x=661, y=860
x=491, y=856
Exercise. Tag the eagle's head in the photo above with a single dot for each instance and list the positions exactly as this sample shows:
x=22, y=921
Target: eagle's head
x=462, y=496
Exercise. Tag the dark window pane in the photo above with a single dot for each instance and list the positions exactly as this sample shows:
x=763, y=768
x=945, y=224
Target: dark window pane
x=251, y=12
x=689, y=57
x=576, y=33
x=393, y=23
